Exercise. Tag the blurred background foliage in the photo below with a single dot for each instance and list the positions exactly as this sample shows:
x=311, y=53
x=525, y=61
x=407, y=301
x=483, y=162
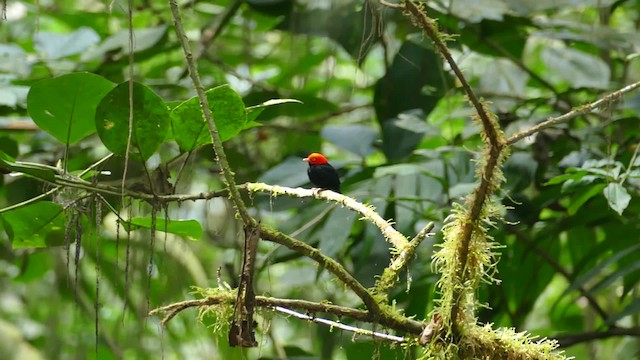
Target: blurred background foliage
x=380, y=103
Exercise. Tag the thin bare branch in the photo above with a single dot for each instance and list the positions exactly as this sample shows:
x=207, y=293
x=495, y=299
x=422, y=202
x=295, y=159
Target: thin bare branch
x=582, y=110
x=341, y=326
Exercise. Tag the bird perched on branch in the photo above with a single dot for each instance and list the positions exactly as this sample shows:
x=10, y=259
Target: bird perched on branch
x=321, y=173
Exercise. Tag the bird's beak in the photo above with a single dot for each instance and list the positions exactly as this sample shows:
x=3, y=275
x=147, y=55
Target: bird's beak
x=305, y=159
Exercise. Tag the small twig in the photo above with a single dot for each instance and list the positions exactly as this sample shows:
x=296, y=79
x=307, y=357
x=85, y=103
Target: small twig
x=581, y=110
x=341, y=326
x=390, y=274
x=29, y=201
x=566, y=340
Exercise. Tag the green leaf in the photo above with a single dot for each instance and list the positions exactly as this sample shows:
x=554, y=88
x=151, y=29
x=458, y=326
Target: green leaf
x=190, y=229
x=335, y=231
x=64, y=106
x=617, y=196
x=144, y=39
x=632, y=309
x=37, y=225
x=191, y=131
x=612, y=278
x=576, y=175
x=150, y=120
x=254, y=111
x=600, y=267
x=577, y=68
x=415, y=80
x=39, y=171
x=582, y=196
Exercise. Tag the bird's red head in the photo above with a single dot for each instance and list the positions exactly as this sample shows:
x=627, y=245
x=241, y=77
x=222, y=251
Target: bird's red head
x=316, y=159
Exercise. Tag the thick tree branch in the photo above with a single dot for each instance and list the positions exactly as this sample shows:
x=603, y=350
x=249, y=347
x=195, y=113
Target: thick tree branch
x=488, y=174
x=398, y=240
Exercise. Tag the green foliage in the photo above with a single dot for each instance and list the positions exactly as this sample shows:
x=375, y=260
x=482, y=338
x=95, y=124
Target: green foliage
x=64, y=106
x=150, y=120
x=38, y=225
x=378, y=101
x=190, y=129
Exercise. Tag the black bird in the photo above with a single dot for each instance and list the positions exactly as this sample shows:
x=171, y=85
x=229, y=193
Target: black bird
x=321, y=173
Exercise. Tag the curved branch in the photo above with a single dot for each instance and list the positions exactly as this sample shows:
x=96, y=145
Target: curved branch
x=392, y=235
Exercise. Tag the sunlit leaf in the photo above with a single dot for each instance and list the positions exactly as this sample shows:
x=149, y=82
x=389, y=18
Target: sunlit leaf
x=65, y=106
x=582, y=196
x=617, y=196
x=189, y=127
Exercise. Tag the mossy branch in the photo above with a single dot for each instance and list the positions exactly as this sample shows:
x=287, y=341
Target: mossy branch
x=228, y=297
x=467, y=221
x=392, y=235
x=390, y=275
x=580, y=110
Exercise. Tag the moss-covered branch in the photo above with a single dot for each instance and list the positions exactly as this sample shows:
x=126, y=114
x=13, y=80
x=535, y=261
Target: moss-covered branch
x=389, y=277
x=228, y=297
x=368, y=213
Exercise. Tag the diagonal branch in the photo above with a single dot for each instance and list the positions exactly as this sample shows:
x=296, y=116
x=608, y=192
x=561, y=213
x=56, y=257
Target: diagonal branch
x=326, y=262
x=430, y=27
x=566, y=340
x=208, y=116
x=581, y=110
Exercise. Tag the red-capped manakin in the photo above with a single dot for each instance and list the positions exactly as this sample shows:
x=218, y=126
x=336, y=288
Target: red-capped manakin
x=321, y=173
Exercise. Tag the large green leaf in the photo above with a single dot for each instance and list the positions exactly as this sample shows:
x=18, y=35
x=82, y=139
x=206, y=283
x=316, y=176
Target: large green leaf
x=189, y=229
x=191, y=131
x=65, y=106
x=37, y=225
x=150, y=120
